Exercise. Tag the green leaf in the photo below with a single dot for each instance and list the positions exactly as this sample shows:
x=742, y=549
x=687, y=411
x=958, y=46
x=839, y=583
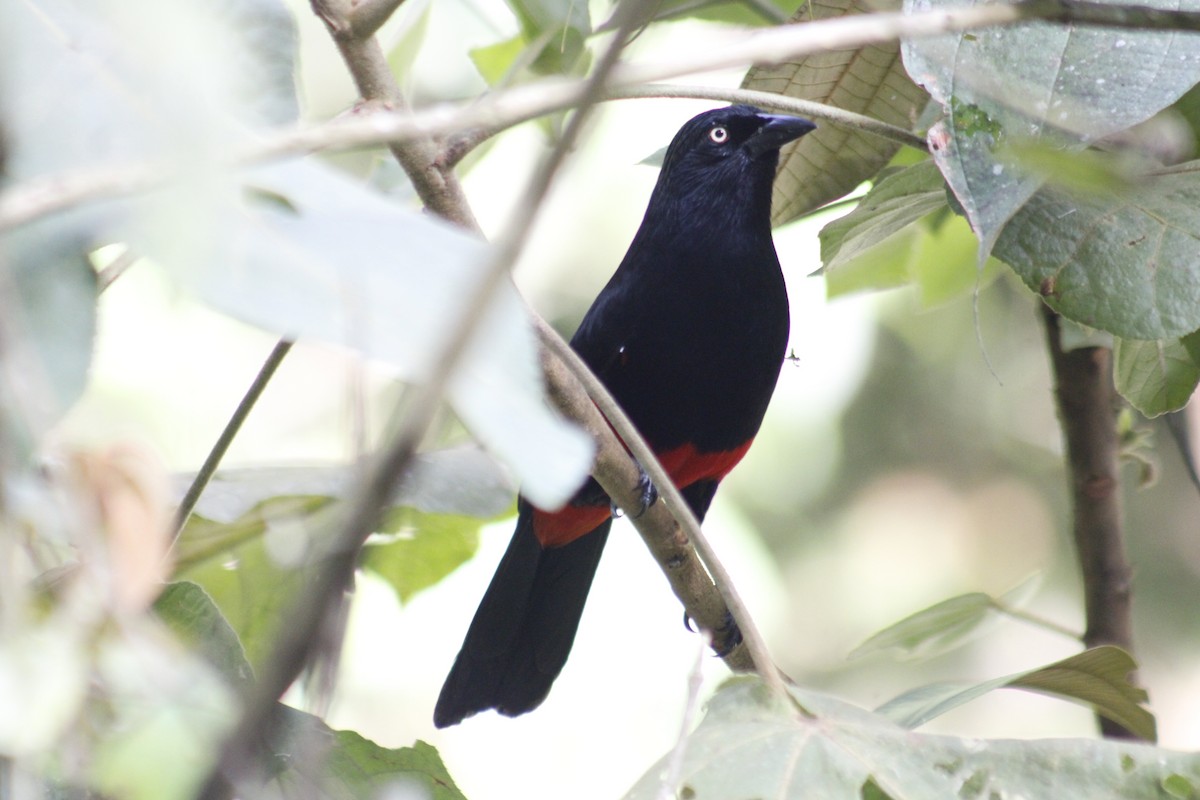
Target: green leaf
x=893, y=204
x=1127, y=263
x=253, y=567
x=405, y=39
x=342, y=765
x=903, y=232
x=749, y=746
x=190, y=612
x=560, y=28
x=1155, y=376
x=423, y=549
x=494, y=61
x=1098, y=677
x=933, y=630
x=832, y=160
x=1037, y=82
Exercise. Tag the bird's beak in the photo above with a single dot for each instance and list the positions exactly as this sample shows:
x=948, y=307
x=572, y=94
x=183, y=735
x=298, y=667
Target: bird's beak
x=776, y=131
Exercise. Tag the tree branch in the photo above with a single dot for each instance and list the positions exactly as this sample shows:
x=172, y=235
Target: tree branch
x=1086, y=403
x=368, y=16
x=436, y=186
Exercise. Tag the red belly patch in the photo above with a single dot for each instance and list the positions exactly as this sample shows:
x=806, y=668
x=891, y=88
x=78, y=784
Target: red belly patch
x=684, y=464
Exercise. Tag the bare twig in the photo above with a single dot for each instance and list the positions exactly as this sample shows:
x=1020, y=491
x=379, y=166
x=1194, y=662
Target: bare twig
x=669, y=788
x=221, y=446
x=1087, y=409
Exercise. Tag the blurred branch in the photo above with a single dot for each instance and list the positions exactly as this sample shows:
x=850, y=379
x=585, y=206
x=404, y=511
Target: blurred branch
x=1086, y=399
x=434, y=180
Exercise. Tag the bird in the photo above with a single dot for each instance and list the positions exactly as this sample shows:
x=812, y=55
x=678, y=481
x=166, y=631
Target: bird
x=688, y=336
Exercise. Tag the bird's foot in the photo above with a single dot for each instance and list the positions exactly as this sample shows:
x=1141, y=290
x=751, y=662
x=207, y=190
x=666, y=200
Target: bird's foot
x=647, y=495
x=724, y=638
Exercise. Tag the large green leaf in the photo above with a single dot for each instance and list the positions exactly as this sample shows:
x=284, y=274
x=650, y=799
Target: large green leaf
x=422, y=549
x=832, y=160
x=1062, y=84
x=749, y=746
x=190, y=612
x=1126, y=262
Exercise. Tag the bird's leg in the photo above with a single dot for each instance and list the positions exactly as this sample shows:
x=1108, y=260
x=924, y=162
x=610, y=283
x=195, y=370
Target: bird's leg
x=647, y=495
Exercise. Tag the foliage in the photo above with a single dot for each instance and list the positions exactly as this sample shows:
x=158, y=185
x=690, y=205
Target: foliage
x=105, y=689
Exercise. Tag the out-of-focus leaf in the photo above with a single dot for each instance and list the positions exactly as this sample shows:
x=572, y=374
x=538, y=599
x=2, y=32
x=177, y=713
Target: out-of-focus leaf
x=495, y=60
x=937, y=628
x=43, y=684
x=421, y=549
x=254, y=567
x=404, y=40
x=351, y=268
x=1127, y=263
x=1062, y=85
x=1098, y=677
x=563, y=24
x=342, y=765
x=169, y=712
x=48, y=302
x=832, y=160
x=459, y=480
x=1155, y=376
x=189, y=611
x=749, y=745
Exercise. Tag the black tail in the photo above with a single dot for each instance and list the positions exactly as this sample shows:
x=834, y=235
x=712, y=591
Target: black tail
x=524, y=627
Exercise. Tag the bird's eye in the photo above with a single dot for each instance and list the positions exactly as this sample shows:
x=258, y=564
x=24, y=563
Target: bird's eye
x=719, y=135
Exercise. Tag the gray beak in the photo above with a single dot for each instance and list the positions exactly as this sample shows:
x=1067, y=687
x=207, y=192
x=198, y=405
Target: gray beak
x=776, y=131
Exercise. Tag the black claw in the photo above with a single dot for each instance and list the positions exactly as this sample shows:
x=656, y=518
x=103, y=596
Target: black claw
x=687, y=622
x=647, y=495
x=724, y=639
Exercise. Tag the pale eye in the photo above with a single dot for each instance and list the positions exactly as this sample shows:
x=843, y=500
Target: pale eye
x=719, y=135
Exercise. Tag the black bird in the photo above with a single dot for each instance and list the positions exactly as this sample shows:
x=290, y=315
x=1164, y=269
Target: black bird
x=689, y=336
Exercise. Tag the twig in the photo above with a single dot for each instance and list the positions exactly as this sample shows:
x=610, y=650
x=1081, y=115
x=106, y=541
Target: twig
x=115, y=269
x=1086, y=408
x=221, y=446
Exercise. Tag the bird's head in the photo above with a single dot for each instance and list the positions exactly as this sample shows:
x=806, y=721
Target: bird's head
x=728, y=155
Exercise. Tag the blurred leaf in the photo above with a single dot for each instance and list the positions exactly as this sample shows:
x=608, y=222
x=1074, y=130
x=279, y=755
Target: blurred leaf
x=495, y=60
x=44, y=682
x=458, y=480
x=562, y=25
x=399, y=279
x=49, y=294
x=423, y=549
x=1128, y=263
x=750, y=745
x=935, y=629
x=832, y=160
x=1079, y=171
x=342, y=765
x=404, y=40
x=1098, y=678
x=1041, y=82
x=253, y=568
x=166, y=714
x=193, y=616
x=1155, y=376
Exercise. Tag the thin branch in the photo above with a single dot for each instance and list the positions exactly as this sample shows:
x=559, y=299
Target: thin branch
x=1087, y=410
x=221, y=446
x=40, y=196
